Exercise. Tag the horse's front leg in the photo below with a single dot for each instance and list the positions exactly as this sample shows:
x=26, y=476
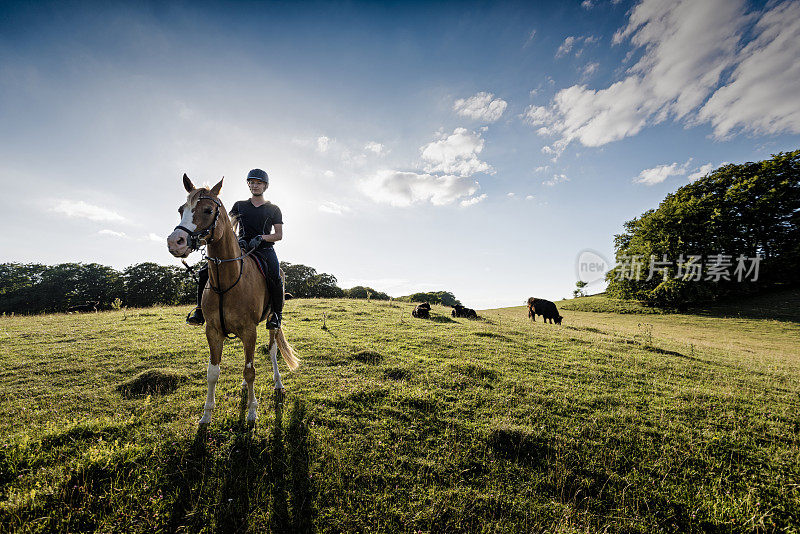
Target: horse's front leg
x=249, y=342
x=215, y=347
x=273, y=354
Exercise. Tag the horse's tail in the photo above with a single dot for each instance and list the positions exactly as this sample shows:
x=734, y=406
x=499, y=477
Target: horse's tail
x=286, y=350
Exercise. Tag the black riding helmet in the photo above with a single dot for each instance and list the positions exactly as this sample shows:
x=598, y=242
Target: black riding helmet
x=258, y=174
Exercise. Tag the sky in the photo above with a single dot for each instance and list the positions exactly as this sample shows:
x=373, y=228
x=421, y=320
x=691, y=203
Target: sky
x=472, y=147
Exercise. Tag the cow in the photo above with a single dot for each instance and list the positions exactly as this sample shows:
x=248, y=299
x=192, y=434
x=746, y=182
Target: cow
x=545, y=308
x=88, y=307
x=287, y=296
x=422, y=311
x=461, y=311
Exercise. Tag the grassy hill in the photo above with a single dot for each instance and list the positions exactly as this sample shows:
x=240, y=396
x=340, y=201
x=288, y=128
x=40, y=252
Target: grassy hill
x=783, y=305
x=611, y=422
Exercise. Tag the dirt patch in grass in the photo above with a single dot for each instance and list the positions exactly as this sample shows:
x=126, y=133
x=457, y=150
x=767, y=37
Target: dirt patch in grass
x=151, y=382
x=368, y=356
x=397, y=373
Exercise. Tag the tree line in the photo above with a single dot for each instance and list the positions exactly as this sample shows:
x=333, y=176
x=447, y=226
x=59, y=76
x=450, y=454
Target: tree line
x=700, y=241
x=36, y=288
x=28, y=288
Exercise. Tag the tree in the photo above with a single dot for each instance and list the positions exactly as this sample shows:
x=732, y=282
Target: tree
x=148, y=284
x=579, y=292
x=737, y=211
x=304, y=282
x=361, y=292
x=445, y=298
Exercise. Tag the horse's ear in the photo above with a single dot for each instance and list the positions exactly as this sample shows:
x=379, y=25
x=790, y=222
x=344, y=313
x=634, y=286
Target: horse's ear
x=217, y=188
x=187, y=183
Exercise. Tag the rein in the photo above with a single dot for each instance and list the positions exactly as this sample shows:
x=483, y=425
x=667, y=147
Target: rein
x=194, y=244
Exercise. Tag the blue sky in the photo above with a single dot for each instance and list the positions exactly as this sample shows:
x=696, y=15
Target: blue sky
x=470, y=147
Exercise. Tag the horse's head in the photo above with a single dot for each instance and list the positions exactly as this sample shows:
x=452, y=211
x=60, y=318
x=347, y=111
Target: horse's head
x=198, y=219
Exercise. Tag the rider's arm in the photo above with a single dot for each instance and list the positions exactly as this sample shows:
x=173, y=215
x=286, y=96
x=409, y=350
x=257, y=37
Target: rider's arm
x=276, y=235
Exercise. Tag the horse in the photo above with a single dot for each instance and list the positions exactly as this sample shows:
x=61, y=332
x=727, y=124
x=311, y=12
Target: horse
x=235, y=299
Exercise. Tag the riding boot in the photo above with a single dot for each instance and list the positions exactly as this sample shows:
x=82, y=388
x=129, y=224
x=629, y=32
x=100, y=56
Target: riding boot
x=276, y=302
x=195, y=317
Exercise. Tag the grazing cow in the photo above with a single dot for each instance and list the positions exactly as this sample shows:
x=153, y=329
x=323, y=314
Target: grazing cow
x=461, y=311
x=88, y=307
x=422, y=311
x=545, y=308
x=287, y=296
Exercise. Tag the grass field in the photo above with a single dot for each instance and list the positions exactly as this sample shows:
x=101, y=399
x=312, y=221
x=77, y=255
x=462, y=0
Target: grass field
x=611, y=422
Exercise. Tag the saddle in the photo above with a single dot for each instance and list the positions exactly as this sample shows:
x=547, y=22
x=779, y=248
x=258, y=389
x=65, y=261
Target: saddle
x=262, y=268
x=261, y=264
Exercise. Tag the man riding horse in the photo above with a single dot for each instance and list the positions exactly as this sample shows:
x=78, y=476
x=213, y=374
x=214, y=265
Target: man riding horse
x=260, y=227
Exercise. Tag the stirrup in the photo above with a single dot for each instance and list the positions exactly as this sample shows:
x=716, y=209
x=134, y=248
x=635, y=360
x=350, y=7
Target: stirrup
x=195, y=317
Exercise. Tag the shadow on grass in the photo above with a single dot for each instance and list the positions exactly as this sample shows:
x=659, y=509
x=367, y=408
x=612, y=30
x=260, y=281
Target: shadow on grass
x=233, y=488
x=779, y=305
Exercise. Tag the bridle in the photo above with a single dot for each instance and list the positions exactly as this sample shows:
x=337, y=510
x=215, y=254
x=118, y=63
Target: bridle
x=193, y=239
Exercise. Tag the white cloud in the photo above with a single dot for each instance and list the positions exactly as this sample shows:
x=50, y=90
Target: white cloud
x=556, y=179
x=323, y=144
x=572, y=42
x=157, y=238
x=530, y=38
x=333, y=208
x=510, y=195
x=82, y=210
x=590, y=69
x=402, y=188
x=762, y=93
x=375, y=147
x=455, y=154
x=329, y=174
x=112, y=233
x=530, y=197
x=472, y=201
x=702, y=171
x=586, y=4
x=482, y=106
x=543, y=168
x=656, y=175
x=565, y=47
x=687, y=50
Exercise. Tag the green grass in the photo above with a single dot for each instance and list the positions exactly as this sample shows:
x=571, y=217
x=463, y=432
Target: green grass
x=603, y=303
x=610, y=422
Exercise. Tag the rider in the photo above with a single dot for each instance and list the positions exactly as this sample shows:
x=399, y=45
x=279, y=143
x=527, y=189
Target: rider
x=257, y=220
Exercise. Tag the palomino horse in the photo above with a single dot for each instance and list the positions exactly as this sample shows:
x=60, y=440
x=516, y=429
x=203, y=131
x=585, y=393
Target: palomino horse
x=235, y=299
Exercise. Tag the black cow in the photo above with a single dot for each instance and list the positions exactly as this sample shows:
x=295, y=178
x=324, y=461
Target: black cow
x=545, y=308
x=461, y=311
x=422, y=311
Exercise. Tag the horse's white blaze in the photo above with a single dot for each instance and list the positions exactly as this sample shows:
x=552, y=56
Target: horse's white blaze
x=186, y=220
x=273, y=354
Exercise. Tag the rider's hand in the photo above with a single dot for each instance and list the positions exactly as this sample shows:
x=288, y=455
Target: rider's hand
x=255, y=242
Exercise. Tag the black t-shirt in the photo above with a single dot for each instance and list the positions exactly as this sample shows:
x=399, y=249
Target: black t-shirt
x=255, y=221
